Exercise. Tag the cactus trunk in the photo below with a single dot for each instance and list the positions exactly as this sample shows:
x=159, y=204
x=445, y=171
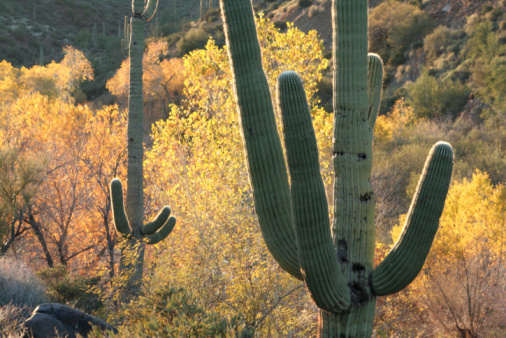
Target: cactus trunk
x=335, y=261
x=134, y=206
x=353, y=229
x=128, y=217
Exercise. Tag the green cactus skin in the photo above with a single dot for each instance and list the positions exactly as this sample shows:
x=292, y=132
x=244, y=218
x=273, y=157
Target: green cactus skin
x=154, y=231
x=335, y=261
x=309, y=201
x=128, y=216
x=263, y=146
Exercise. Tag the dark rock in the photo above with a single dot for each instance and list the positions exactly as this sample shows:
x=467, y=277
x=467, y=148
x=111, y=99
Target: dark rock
x=52, y=320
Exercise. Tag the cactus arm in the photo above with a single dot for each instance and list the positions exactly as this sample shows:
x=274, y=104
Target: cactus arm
x=264, y=154
x=150, y=9
x=375, y=84
x=125, y=42
x=118, y=208
x=318, y=261
x=161, y=234
x=157, y=223
x=406, y=258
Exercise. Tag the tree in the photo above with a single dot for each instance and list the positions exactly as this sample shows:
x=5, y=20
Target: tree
x=162, y=81
x=19, y=180
x=218, y=252
x=337, y=269
x=77, y=151
x=461, y=291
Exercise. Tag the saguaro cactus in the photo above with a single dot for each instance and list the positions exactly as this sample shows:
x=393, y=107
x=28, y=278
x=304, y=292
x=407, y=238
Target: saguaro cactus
x=335, y=261
x=128, y=218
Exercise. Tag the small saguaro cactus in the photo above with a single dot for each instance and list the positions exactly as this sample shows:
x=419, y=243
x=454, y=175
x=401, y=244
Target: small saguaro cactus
x=128, y=217
x=334, y=260
x=154, y=231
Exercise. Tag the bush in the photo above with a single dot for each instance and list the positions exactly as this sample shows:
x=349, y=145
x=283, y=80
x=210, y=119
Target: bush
x=432, y=98
x=196, y=38
x=11, y=317
x=172, y=312
x=436, y=42
x=281, y=25
x=19, y=285
x=75, y=291
x=304, y=3
x=392, y=35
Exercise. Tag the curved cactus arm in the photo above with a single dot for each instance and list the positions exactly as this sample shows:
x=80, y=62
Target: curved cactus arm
x=318, y=259
x=161, y=234
x=268, y=174
x=118, y=209
x=150, y=10
x=125, y=42
x=157, y=223
x=406, y=258
x=375, y=84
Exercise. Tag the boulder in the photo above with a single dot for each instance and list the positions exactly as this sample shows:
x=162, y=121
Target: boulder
x=57, y=320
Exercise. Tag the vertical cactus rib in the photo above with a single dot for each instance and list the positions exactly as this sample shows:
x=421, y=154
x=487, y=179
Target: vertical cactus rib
x=318, y=261
x=118, y=209
x=264, y=154
x=406, y=258
x=375, y=84
x=135, y=131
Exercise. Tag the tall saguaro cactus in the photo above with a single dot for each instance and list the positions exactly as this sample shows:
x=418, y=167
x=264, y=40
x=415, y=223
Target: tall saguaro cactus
x=334, y=260
x=128, y=217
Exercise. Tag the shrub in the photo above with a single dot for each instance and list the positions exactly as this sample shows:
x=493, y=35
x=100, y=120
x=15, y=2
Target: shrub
x=196, y=38
x=281, y=25
x=11, y=317
x=393, y=34
x=312, y=11
x=172, y=312
x=432, y=98
x=212, y=15
x=436, y=42
x=304, y=3
x=19, y=285
x=75, y=291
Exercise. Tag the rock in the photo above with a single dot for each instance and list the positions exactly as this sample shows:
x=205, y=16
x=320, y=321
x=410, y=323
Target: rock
x=57, y=320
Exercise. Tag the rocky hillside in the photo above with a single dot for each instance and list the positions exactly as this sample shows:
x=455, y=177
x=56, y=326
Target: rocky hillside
x=450, y=13
x=29, y=27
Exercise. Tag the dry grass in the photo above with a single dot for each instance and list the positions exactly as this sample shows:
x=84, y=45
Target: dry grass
x=19, y=285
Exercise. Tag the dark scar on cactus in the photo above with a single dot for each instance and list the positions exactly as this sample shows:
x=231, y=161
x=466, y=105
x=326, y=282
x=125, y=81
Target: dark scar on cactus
x=359, y=295
x=366, y=197
x=358, y=267
x=362, y=156
x=342, y=251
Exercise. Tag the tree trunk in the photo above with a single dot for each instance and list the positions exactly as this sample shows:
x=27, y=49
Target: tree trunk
x=40, y=236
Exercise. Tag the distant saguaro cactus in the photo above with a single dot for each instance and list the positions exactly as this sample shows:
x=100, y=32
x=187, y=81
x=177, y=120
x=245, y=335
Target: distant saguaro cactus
x=335, y=261
x=128, y=217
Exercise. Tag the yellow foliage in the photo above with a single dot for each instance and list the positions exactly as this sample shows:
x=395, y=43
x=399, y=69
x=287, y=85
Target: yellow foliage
x=56, y=80
x=390, y=127
x=162, y=78
x=217, y=249
x=463, y=270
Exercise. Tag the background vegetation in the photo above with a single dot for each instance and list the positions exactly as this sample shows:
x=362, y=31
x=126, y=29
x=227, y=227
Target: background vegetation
x=62, y=132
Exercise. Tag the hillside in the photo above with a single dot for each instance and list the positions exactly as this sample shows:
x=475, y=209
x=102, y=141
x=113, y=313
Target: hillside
x=27, y=26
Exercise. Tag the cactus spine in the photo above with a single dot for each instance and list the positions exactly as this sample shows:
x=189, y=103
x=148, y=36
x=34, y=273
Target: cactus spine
x=128, y=217
x=335, y=261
